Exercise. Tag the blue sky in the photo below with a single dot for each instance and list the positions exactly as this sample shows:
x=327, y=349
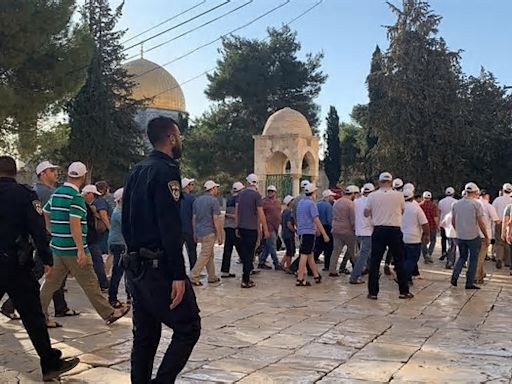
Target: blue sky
x=346, y=31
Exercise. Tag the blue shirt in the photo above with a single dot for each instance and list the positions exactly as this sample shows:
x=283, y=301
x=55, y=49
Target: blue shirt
x=187, y=201
x=306, y=213
x=44, y=192
x=115, y=235
x=325, y=212
x=286, y=217
x=205, y=207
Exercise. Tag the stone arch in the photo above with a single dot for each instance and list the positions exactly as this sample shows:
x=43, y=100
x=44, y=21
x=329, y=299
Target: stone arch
x=309, y=164
x=276, y=163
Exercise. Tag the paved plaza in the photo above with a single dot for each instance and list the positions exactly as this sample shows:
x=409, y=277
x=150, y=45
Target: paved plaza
x=328, y=333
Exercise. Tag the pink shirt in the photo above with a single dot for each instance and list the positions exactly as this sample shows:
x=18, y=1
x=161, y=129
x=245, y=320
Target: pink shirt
x=343, y=217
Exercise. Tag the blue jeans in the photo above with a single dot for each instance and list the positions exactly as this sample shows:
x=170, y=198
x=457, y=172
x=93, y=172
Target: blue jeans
x=99, y=266
x=269, y=248
x=467, y=248
x=428, y=249
x=365, y=250
x=451, y=251
x=412, y=255
x=117, y=271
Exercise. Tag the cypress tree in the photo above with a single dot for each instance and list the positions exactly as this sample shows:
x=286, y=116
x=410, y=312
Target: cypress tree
x=332, y=158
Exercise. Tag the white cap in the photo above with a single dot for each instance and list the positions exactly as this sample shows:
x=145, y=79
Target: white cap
x=351, y=189
x=118, y=194
x=368, y=187
x=310, y=188
x=287, y=199
x=237, y=186
x=210, y=184
x=303, y=183
x=43, y=166
x=185, y=182
x=90, y=188
x=408, y=193
x=272, y=188
x=328, y=193
x=427, y=195
x=507, y=188
x=471, y=187
x=385, y=176
x=409, y=186
x=252, y=179
x=77, y=169
x=463, y=193
x=398, y=183
x=449, y=191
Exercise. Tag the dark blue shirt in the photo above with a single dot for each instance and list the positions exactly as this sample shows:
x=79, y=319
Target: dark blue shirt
x=187, y=202
x=325, y=212
x=286, y=217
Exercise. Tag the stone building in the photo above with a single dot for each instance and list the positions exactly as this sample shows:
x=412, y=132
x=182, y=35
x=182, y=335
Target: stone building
x=286, y=152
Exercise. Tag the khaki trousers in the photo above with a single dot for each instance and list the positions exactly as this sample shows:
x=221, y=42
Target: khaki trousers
x=85, y=277
x=205, y=259
x=501, y=247
x=479, y=275
x=339, y=242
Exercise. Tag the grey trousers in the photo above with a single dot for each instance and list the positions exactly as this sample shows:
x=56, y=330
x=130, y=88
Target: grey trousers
x=341, y=241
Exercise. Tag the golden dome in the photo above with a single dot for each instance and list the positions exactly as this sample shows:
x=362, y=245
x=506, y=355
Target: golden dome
x=287, y=121
x=153, y=81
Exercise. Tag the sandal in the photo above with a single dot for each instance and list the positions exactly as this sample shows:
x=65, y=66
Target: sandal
x=116, y=304
x=118, y=313
x=10, y=315
x=67, y=313
x=196, y=283
x=302, y=283
x=318, y=279
x=249, y=284
x=406, y=296
x=50, y=324
x=358, y=281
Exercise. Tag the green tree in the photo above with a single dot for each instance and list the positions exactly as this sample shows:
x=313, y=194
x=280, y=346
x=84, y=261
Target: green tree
x=332, y=157
x=351, y=151
x=43, y=60
x=104, y=134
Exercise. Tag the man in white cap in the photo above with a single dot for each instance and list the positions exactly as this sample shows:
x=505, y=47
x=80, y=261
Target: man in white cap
x=272, y=210
x=386, y=207
x=187, y=202
x=325, y=215
x=207, y=230
x=501, y=246
x=47, y=174
x=288, y=233
x=250, y=221
x=363, y=230
x=230, y=239
x=343, y=231
x=432, y=214
x=467, y=219
x=445, y=207
x=398, y=184
x=298, y=198
x=66, y=220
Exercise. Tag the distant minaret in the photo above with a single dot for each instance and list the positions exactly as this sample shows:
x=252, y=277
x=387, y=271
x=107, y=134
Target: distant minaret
x=142, y=51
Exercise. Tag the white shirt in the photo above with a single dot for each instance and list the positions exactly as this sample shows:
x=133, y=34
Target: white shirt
x=489, y=217
x=386, y=207
x=413, y=219
x=445, y=207
x=364, y=226
x=448, y=226
x=500, y=203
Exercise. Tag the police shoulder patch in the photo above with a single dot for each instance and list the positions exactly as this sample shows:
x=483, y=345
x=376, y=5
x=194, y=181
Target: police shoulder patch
x=175, y=189
x=38, y=206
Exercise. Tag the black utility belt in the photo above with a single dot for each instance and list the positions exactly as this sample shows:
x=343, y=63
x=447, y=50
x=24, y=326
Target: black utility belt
x=386, y=227
x=142, y=257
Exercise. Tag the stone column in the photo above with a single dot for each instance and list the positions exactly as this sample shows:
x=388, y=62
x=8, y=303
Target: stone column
x=296, y=184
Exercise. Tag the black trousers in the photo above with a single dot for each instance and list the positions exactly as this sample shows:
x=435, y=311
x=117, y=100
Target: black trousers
x=248, y=240
x=151, y=292
x=23, y=289
x=324, y=247
x=387, y=237
x=444, y=241
x=191, y=246
x=230, y=242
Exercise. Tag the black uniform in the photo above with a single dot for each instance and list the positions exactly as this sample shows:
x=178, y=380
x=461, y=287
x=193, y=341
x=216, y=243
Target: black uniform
x=152, y=231
x=21, y=220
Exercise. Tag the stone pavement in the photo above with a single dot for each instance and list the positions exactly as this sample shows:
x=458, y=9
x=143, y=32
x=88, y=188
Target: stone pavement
x=328, y=333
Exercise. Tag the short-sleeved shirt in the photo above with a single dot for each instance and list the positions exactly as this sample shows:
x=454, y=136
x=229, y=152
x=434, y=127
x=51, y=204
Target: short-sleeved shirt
x=204, y=208
x=343, y=217
x=466, y=212
x=306, y=213
x=413, y=220
x=187, y=202
x=272, y=210
x=445, y=206
x=248, y=202
x=500, y=203
x=286, y=217
x=363, y=225
x=101, y=204
x=386, y=206
x=325, y=212
x=64, y=203
x=230, y=222
x=115, y=235
x=44, y=192
x=490, y=216
x=431, y=212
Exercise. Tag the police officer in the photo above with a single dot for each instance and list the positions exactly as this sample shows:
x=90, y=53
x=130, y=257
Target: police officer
x=21, y=220
x=155, y=266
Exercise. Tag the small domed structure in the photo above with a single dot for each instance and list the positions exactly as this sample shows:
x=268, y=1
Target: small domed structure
x=287, y=121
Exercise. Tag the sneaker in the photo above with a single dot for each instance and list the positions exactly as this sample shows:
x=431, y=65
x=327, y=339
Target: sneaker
x=473, y=287
x=264, y=266
x=499, y=264
x=278, y=267
x=345, y=271
x=443, y=257
x=227, y=275
x=116, y=315
x=249, y=284
x=358, y=281
x=408, y=295
x=372, y=297
x=453, y=281
x=62, y=366
x=334, y=275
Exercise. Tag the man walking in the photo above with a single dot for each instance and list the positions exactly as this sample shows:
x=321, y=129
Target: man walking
x=230, y=238
x=272, y=210
x=385, y=207
x=445, y=207
x=343, y=231
x=65, y=215
x=207, y=230
x=501, y=246
x=162, y=293
x=324, y=207
x=490, y=218
x=467, y=220
x=432, y=214
x=186, y=212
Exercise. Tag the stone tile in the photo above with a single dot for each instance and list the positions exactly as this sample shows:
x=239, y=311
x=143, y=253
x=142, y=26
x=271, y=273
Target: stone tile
x=99, y=376
x=386, y=352
x=326, y=351
x=281, y=374
x=236, y=365
x=348, y=339
x=214, y=375
x=285, y=341
x=263, y=354
x=310, y=363
x=380, y=371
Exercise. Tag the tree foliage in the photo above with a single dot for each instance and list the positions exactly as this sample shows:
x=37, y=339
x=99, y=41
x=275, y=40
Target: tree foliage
x=104, y=134
x=332, y=157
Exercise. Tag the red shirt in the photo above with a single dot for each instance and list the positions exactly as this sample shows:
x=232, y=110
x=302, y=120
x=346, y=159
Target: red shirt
x=272, y=209
x=430, y=209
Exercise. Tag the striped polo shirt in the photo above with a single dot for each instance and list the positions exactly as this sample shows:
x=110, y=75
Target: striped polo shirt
x=66, y=201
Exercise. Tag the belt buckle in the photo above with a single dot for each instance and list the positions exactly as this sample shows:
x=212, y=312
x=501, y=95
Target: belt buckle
x=155, y=263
